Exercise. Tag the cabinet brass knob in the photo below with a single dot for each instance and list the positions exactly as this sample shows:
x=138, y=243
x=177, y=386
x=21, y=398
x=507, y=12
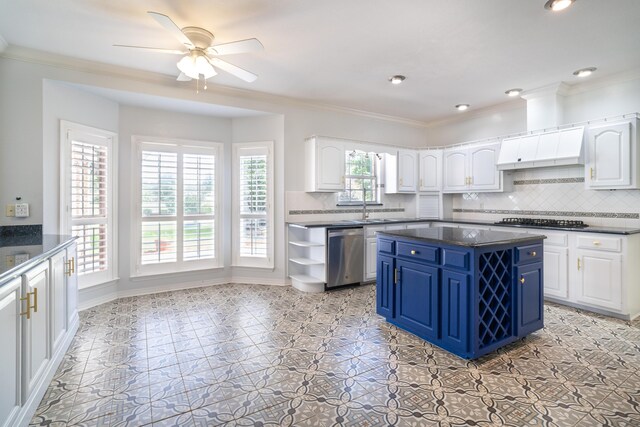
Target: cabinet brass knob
x=596, y=243
x=522, y=280
x=413, y=252
x=533, y=253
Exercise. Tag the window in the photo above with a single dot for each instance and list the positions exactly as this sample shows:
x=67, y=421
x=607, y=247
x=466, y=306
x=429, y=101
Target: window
x=88, y=199
x=252, y=204
x=177, y=211
x=361, y=180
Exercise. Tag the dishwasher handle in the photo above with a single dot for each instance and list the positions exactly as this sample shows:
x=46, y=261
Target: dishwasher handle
x=346, y=232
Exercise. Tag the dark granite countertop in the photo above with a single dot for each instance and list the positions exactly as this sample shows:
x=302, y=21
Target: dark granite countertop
x=468, y=237
x=33, y=248
x=359, y=223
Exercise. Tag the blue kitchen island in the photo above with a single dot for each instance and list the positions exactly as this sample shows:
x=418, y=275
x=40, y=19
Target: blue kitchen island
x=467, y=291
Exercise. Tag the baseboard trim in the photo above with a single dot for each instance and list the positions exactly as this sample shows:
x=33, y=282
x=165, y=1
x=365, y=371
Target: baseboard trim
x=86, y=304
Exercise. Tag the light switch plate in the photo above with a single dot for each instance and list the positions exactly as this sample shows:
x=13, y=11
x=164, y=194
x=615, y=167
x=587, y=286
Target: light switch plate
x=20, y=258
x=10, y=210
x=10, y=261
x=22, y=210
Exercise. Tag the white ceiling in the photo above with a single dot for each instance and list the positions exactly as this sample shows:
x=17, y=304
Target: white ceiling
x=341, y=52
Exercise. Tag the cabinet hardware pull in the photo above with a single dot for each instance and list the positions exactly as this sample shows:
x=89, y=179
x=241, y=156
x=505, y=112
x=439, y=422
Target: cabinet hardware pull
x=35, y=300
x=578, y=263
x=591, y=173
x=522, y=279
x=533, y=253
x=400, y=180
x=73, y=265
x=28, y=312
x=395, y=275
x=68, y=272
x=596, y=243
x=413, y=252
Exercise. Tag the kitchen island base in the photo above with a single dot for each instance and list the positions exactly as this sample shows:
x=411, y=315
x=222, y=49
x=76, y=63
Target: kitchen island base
x=467, y=291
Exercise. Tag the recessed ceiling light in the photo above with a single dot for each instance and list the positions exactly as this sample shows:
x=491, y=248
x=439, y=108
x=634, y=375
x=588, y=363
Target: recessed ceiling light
x=462, y=107
x=584, y=72
x=397, y=79
x=558, y=5
x=514, y=92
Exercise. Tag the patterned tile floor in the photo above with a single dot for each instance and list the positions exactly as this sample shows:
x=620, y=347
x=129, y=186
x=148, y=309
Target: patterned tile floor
x=246, y=355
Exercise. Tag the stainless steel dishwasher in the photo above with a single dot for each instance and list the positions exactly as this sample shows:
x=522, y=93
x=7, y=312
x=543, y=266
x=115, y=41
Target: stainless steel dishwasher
x=345, y=256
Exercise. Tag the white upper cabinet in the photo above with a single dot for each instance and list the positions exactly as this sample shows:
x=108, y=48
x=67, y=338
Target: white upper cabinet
x=455, y=169
x=401, y=172
x=612, y=157
x=430, y=167
x=324, y=164
x=472, y=168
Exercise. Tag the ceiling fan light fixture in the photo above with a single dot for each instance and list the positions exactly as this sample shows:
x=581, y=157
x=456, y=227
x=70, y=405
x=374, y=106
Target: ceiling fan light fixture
x=397, y=79
x=584, y=72
x=462, y=107
x=558, y=5
x=188, y=66
x=513, y=92
x=196, y=64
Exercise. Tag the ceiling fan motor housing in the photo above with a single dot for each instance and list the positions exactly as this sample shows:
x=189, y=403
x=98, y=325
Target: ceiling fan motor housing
x=200, y=37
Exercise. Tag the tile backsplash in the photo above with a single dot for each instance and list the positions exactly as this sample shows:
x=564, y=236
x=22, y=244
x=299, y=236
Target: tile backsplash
x=557, y=192
x=301, y=206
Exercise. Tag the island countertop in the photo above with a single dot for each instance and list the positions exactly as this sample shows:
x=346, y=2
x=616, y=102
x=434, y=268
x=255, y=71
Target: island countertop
x=468, y=237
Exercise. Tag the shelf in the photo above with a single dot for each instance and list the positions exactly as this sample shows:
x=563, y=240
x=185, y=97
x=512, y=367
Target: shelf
x=305, y=278
x=306, y=261
x=306, y=244
x=307, y=283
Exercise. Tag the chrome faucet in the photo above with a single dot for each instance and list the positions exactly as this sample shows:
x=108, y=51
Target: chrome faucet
x=365, y=214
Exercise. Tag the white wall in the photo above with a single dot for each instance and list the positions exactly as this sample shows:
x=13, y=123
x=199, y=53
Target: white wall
x=135, y=121
x=63, y=102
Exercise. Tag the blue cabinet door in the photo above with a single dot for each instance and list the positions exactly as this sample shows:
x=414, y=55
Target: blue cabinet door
x=384, y=285
x=529, y=294
x=417, y=298
x=455, y=312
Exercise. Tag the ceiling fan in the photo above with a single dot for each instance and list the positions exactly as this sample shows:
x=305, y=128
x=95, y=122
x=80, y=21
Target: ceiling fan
x=200, y=59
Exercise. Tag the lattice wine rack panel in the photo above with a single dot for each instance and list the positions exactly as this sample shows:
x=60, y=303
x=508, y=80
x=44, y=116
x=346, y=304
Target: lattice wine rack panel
x=495, y=291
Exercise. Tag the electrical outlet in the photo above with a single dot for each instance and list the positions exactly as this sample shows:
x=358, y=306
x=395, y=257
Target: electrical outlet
x=10, y=261
x=10, y=210
x=22, y=210
x=20, y=258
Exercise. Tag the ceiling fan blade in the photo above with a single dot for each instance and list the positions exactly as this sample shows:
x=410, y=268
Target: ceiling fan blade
x=240, y=46
x=155, y=49
x=183, y=78
x=171, y=26
x=232, y=69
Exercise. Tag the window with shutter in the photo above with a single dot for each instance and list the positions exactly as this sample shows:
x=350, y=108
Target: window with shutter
x=88, y=198
x=178, y=206
x=252, y=200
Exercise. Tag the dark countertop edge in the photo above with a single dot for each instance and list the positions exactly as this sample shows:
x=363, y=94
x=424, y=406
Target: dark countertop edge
x=596, y=229
x=524, y=239
x=18, y=270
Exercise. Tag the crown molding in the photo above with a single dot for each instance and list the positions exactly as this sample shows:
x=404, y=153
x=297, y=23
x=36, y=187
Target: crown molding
x=23, y=54
x=560, y=88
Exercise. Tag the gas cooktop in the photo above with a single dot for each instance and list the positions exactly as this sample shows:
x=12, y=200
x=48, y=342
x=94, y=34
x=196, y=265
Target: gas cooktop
x=543, y=222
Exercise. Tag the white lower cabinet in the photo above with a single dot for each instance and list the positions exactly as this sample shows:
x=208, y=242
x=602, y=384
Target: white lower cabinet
x=35, y=328
x=38, y=318
x=58, y=269
x=10, y=356
x=556, y=274
x=599, y=279
x=370, y=263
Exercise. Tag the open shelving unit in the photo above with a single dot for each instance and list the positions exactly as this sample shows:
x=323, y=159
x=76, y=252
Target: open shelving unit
x=307, y=256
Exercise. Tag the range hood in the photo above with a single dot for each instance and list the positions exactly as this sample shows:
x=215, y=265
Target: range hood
x=556, y=148
x=543, y=148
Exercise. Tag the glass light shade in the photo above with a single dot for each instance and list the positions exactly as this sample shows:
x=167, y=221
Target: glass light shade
x=204, y=67
x=188, y=66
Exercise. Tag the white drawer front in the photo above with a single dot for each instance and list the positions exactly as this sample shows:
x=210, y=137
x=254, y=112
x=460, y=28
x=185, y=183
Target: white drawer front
x=371, y=231
x=613, y=244
x=554, y=239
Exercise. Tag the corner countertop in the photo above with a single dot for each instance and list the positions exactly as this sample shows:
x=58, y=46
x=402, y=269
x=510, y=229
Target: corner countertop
x=471, y=237
x=370, y=222
x=35, y=247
